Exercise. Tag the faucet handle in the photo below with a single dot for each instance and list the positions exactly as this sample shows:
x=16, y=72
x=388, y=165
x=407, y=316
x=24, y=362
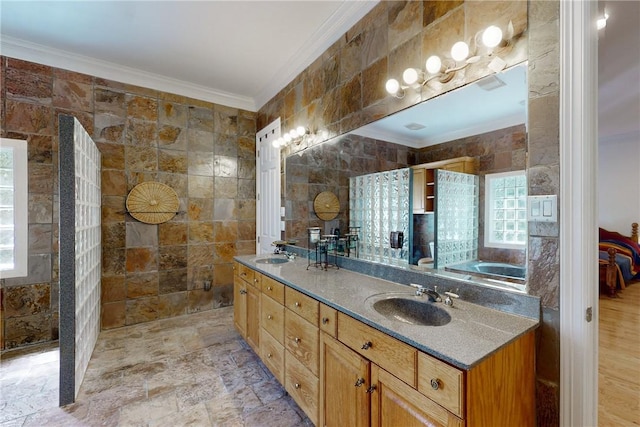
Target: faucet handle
x=448, y=301
x=419, y=288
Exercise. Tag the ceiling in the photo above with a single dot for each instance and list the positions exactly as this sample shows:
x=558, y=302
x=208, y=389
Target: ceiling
x=236, y=53
x=242, y=53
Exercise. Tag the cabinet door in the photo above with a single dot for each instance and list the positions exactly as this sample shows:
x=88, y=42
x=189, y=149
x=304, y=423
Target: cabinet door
x=394, y=403
x=419, y=195
x=344, y=381
x=240, y=305
x=253, y=318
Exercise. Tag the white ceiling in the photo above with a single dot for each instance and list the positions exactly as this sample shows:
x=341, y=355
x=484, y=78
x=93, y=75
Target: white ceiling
x=236, y=53
x=467, y=111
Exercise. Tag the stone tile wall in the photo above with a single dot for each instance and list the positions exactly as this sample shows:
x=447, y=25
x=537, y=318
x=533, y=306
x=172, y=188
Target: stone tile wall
x=344, y=89
x=205, y=152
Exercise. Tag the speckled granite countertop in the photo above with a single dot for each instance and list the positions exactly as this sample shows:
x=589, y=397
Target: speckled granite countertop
x=473, y=333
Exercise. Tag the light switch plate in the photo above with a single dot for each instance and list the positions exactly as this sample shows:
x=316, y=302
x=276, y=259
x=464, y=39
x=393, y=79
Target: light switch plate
x=542, y=208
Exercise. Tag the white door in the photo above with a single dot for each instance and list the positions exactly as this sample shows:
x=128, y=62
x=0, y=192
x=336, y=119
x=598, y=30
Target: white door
x=267, y=188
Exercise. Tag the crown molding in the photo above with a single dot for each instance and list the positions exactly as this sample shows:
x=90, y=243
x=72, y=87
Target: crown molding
x=33, y=52
x=345, y=17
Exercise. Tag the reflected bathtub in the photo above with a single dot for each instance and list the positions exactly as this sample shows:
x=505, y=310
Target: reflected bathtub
x=491, y=269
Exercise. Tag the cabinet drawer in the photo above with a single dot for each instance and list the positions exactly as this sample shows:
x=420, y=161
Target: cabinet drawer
x=329, y=320
x=392, y=355
x=442, y=383
x=302, y=386
x=302, y=305
x=272, y=319
x=302, y=340
x=272, y=354
x=244, y=272
x=273, y=288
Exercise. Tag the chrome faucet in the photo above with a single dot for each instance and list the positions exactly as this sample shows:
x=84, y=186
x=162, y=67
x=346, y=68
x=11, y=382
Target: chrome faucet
x=431, y=293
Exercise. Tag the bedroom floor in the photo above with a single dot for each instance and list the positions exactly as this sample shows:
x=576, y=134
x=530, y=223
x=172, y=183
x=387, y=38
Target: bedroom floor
x=189, y=370
x=619, y=359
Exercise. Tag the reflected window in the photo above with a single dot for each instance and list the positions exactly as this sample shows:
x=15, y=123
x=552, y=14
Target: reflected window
x=13, y=208
x=506, y=210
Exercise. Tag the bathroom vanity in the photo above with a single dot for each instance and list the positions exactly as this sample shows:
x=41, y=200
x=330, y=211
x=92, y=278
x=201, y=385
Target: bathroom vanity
x=347, y=361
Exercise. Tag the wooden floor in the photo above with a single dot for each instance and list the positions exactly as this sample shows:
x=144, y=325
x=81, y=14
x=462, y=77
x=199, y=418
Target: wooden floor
x=619, y=359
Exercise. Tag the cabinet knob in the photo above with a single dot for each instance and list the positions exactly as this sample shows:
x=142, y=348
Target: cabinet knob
x=269, y=317
x=296, y=385
x=359, y=382
x=297, y=340
x=268, y=288
x=325, y=320
x=367, y=345
x=268, y=355
x=243, y=291
x=255, y=280
x=297, y=304
x=371, y=389
x=435, y=383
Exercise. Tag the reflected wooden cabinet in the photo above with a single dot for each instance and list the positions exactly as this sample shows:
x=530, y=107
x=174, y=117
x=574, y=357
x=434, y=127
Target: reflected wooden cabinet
x=424, y=186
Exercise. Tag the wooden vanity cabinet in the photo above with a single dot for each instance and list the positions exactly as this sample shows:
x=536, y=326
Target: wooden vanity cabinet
x=246, y=304
x=341, y=371
x=344, y=380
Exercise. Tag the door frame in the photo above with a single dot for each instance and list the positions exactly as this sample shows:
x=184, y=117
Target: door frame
x=578, y=213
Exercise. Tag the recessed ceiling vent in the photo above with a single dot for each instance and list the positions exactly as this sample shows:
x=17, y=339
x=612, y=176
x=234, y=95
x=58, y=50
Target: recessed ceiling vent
x=414, y=126
x=491, y=83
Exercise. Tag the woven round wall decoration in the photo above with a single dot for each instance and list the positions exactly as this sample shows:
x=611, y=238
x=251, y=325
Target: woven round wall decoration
x=326, y=206
x=152, y=202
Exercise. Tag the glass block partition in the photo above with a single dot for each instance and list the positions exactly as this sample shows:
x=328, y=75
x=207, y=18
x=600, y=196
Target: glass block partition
x=380, y=203
x=80, y=254
x=457, y=200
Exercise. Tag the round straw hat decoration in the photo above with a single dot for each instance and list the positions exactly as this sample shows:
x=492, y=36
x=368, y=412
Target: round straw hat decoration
x=152, y=202
x=326, y=206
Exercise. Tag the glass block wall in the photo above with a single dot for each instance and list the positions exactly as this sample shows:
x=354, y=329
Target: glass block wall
x=508, y=196
x=457, y=200
x=80, y=253
x=380, y=203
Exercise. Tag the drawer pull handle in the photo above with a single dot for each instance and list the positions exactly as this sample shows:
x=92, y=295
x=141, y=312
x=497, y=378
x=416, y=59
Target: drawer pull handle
x=297, y=304
x=243, y=291
x=296, y=385
x=269, y=317
x=255, y=280
x=359, y=382
x=243, y=274
x=325, y=320
x=435, y=383
x=367, y=345
x=268, y=355
x=268, y=288
x=297, y=340
x=371, y=389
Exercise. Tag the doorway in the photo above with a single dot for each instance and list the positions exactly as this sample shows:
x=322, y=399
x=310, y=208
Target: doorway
x=268, y=180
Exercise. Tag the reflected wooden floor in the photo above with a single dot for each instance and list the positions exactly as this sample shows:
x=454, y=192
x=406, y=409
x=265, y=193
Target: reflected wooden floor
x=619, y=359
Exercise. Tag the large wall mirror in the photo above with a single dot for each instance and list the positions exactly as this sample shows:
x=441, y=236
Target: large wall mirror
x=470, y=143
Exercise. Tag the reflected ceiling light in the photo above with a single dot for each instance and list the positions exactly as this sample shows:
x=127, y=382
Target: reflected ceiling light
x=412, y=76
x=460, y=51
x=393, y=88
x=492, y=36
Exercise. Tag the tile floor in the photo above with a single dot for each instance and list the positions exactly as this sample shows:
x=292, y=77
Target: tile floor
x=192, y=370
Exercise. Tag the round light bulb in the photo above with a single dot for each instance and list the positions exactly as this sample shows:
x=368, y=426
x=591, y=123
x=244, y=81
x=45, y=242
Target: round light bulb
x=410, y=76
x=460, y=51
x=433, y=64
x=293, y=133
x=287, y=138
x=492, y=36
x=392, y=86
x=276, y=143
x=301, y=130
